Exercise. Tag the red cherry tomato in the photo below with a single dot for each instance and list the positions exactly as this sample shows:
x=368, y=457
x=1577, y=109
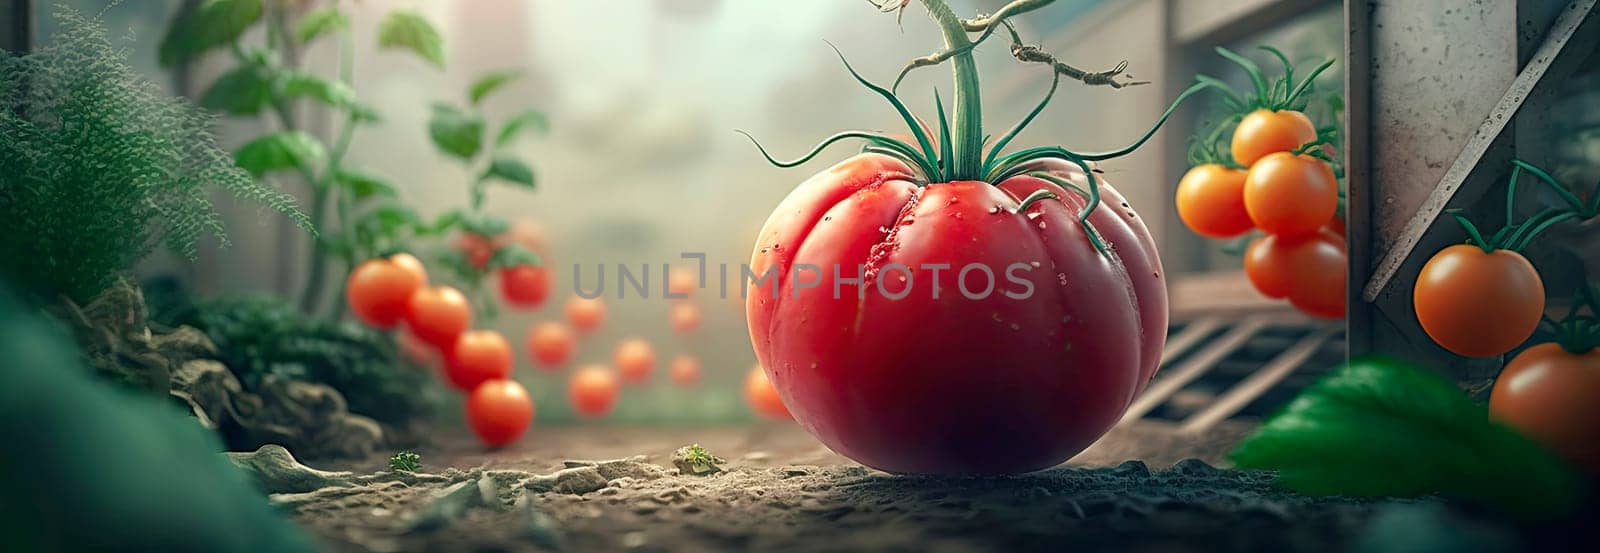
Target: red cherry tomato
x=499, y=411
x=685, y=370
x=438, y=314
x=878, y=379
x=1317, y=284
x=585, y=315
x=1290, y=195
x=476, y=247
x=379, y=290
x=762, y=397
x=1553, y=396
x=592, y=391
x=476, y=357
x=1211, y=201
x=1478, y=304
x=635, y=360
x=1274, y=264
x=551, y=344
x=525, y=286
x=1264, y=132
x=684, y=316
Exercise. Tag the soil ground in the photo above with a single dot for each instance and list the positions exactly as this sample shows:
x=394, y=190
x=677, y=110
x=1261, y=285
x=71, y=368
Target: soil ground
x=781, y=491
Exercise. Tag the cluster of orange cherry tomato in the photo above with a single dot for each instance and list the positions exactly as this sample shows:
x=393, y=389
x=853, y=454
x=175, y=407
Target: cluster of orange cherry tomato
x=435, y=328
x=1276, y=178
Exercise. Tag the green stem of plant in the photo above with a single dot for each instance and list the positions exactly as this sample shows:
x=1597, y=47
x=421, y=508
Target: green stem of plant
x=967, y=124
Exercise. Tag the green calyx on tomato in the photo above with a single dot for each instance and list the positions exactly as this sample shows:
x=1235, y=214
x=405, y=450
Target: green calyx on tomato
x=957, y=152
x=1281, y=94
x=1578, y=334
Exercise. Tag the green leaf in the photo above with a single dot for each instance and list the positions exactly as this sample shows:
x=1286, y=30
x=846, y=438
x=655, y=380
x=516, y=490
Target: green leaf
x=321, y=21
x=242, y=91
x=484, y=224
x=406, y=29
x=280, y=151
x=442, y=224
x=363, y=185
x=364, y=114
x=527, y=120
x=510, y=169
x=455, y=131
x=213, y=23
x=1379, y=427
x=490, y=82
x=332, y=93
x=511, y=255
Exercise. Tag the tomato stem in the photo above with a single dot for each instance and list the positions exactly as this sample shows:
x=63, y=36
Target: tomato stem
x=1091, y=201
x=1566, y=195
x=967, y=134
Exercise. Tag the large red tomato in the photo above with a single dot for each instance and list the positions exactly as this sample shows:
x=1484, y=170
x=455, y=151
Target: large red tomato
x=962, y=381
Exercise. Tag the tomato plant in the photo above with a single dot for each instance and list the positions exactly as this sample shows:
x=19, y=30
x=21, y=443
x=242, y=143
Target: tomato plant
x=763, y=397
x=438, y=314
x=1211, y=201
x=499, y=411
x=585, y=314
x=551, y=344
x=1290, y=195
x=476, y=357
x=379, y=290
x=593, y=391
x=684, y=370
x=1037, y=375
x=635, y=360
x=525, y=286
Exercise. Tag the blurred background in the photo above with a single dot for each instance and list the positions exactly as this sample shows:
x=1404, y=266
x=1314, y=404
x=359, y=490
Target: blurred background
x=642, y=162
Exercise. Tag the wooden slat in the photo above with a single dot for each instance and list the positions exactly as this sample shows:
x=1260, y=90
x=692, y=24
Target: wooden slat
x=1175, y=378
x=1565, y=28
x=1189, y=337
x=1259, y=382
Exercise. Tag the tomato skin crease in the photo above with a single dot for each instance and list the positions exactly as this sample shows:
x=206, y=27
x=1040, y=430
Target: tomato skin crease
x=1478, y=304
x=1290, y=195
x=952, y=384
x=1553, y=396
x=1210, y=201
x=1263, y=132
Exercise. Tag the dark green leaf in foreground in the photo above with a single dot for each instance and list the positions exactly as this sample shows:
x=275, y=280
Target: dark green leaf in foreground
x=1379, y=427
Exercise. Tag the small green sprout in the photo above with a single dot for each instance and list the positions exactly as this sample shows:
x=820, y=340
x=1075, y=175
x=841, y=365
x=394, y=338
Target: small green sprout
x=406, y=461
x=695, y=460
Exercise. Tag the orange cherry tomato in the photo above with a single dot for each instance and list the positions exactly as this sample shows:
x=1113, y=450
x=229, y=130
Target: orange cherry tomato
x=586, y=315
x=1211, y=201
x=1290, y=195
x=525, y=286
x=551, y=344
x=1553, y=396
x=635, y=360
x=476, y=247
x=1318, y=275
x=476, y=357
x=378, y=290
x=763, y=397
x=682, y=281
x=1476, y=303
x=685, y=370
x=438, y=314
x=499, y=411
x=592, y=391
x=684, y=316
x=1264, y=132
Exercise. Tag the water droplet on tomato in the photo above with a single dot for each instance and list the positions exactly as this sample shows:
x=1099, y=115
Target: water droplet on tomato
x=994, y=210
